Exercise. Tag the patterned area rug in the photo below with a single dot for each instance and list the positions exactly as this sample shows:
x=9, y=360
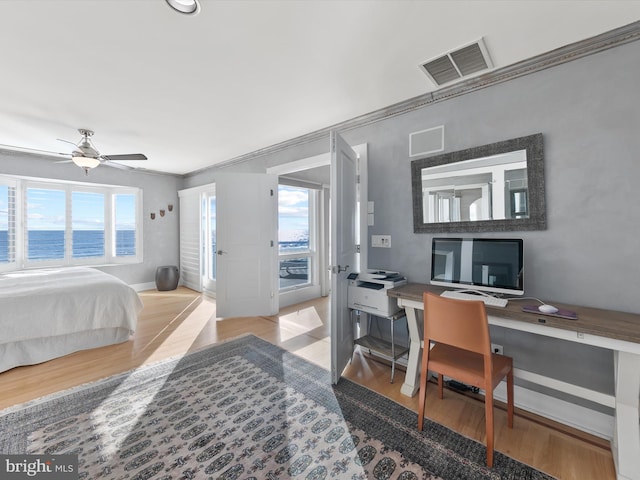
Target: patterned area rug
x=242, y=409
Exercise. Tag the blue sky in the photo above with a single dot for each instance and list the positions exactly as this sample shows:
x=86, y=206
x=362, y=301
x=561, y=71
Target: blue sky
x=46, y=210
x=293, y=212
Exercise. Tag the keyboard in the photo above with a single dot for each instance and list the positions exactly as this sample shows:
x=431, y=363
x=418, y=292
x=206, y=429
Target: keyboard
x=488, y=300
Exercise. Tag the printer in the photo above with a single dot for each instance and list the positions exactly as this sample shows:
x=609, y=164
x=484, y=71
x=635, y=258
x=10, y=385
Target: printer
x=367, y=292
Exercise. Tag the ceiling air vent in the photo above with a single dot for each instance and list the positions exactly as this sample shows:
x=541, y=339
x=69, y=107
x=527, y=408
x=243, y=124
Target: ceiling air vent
x=458, y=63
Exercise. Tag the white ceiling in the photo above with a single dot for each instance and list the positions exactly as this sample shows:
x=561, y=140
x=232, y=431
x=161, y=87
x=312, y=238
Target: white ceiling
x=193, y=91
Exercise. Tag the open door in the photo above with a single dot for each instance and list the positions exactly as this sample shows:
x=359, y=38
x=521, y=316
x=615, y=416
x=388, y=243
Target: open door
x=344, y=163
x=247, y=244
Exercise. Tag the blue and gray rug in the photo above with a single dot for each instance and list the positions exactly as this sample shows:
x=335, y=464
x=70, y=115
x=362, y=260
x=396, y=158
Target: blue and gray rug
x=244, y=409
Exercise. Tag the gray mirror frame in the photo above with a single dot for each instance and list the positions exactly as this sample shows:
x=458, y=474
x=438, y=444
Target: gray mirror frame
x=535, y=177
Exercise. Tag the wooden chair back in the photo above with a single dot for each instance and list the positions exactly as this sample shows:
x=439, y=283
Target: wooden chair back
x=459, y=324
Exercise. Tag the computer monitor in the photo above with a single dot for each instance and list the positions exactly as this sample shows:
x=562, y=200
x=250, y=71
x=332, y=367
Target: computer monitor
x=484, y=264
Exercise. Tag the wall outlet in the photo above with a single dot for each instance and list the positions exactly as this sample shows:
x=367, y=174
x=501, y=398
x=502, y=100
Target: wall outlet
x=382, y=241
x=495, y=348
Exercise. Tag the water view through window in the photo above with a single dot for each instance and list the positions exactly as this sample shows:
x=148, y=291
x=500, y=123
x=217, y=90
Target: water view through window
x=46, y=224
x=293, y=236
x=87, y=224
x=125, y=223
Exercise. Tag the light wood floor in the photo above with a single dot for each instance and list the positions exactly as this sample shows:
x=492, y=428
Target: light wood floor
x=173, y=323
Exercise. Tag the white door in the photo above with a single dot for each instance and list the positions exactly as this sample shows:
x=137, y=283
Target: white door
x=344, y=162
x=247, y=243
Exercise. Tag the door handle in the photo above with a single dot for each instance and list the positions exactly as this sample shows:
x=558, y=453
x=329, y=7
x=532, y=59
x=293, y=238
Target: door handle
x=221, y=252
x=338, y=269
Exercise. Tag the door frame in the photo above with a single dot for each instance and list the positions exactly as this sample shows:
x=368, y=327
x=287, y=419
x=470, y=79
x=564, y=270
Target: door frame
x=324, y=159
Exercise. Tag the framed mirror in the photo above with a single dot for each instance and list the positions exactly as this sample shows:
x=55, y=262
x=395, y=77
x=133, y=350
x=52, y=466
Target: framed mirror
x=492, y=188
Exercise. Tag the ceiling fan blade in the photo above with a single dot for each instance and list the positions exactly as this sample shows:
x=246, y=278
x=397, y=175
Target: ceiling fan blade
x=64, y=161
x=35, y=151
x=118, y=158
x=67, y=141
x=116, y=165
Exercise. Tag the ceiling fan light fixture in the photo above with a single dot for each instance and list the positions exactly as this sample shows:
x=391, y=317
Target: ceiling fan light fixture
x=85, y=162
x=188, y=7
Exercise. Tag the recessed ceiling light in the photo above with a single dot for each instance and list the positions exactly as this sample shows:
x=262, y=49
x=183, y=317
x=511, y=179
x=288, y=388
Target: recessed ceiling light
x=190, y=7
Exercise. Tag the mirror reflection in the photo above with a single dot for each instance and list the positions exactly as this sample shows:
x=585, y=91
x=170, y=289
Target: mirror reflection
x=488, y=188
x=495, y=187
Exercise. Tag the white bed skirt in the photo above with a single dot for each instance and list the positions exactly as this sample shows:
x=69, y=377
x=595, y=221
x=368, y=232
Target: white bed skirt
x=38, y=350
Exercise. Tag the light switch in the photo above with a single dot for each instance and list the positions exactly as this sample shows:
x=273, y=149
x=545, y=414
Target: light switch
x=381, y=241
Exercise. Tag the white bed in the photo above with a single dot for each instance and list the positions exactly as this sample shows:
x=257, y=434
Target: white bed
x=48, y=313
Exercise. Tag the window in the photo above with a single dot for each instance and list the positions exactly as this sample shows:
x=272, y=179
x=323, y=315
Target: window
x=125, y=225
x=295, y=236
x=87, y=224
x=7, y=223
x=64, y=223
x=45, y=224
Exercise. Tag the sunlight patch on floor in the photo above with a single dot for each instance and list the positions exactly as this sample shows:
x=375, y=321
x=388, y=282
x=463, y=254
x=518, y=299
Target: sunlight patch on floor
x=316, y=352
x=303, y=320
x=182, y=326
x=101, y=417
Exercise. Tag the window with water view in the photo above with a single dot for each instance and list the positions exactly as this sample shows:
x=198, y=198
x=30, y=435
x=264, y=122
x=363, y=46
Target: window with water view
x=87, y=224
x=46, y=223
x=295, y=249
x=125, y=224
x=66, y=223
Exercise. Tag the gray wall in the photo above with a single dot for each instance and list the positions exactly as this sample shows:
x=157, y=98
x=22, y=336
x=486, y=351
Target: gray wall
x=589, y=113
x=160, y=236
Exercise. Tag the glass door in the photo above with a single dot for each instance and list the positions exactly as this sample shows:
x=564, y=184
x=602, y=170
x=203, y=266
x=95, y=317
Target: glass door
x=209, y=242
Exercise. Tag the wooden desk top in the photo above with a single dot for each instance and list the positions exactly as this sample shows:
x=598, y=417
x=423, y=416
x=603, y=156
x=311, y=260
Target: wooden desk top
x=594, y=321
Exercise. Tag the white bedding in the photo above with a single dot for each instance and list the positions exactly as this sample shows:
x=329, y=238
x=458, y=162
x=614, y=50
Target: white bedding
x=48, y=313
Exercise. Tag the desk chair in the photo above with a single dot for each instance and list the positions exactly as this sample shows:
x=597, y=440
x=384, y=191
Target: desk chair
x=462, y=351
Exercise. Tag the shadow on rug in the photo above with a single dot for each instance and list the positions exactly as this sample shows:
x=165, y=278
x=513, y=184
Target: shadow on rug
x=242, y=409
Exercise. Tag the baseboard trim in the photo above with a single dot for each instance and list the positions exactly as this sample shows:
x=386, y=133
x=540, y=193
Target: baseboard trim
x=299, y=295
x=560, y=411
x=140, y=287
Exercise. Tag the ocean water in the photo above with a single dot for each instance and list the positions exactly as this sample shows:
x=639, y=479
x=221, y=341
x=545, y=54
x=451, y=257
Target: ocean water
x=294, y=246
x=49, y=244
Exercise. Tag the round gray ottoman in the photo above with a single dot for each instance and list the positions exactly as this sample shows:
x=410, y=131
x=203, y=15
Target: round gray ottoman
x=167, y=277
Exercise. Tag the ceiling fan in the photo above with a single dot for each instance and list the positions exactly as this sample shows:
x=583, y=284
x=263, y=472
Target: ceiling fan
x=86, y=156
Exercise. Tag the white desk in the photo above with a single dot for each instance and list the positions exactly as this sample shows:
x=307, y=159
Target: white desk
x=616, y=331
